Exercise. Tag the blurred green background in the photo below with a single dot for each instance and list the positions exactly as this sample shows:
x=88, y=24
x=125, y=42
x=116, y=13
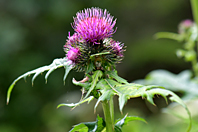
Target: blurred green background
x=32, y=34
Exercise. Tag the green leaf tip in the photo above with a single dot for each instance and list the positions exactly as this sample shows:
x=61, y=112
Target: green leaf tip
x=113, y=74
x=57, y=63
x=67, y=70
x=73, y=105
x=9, y=92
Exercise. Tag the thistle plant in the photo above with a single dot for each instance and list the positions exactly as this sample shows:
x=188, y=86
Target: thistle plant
x=186, y=81
x=93, y=51
x=187, y=34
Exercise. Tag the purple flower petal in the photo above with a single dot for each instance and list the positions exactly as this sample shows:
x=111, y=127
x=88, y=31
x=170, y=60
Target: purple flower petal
x=73, y=54
x=94, y=25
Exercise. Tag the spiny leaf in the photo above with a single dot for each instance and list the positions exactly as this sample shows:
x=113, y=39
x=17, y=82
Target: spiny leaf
x=120, y=122
x=90, y=67
x=113, y=74
x=36, y=74
x=105, y=96
x=57, y=63
x=67, y=70
x=85, y=85
x=181, y=82
x=133, y=90
x=97, y=74
x=106, y=91
x=122, y=101
x=108, y=88
x=72, y=105
x=48, y=73
x=173, y=97
x=96, y=126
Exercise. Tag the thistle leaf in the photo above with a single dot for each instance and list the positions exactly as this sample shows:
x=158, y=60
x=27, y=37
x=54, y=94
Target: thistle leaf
x=49, y=72
x=122, y=101
x=106, y=91
x=132, y=90
x=72, y=105
x=97, y=74
x=90, y=67
x=105, y=96
x=181, y=82
x=173, y=97
x=96, y=126
x=79, y=128
x=113, y=74
x=57, y=63
x=67, y=70
x=85, y=85
x=120, y=122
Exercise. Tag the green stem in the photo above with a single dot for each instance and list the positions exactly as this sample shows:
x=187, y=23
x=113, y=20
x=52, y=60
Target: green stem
x=194, y=68
x=194, y=6
x=111, y=104
x=107, y=114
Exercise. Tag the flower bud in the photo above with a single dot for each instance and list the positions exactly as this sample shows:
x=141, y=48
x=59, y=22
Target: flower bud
x=185, y=25
x=73, y=54
x=115, y=48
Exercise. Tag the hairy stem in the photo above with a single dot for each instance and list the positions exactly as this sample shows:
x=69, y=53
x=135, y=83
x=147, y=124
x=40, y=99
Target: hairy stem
x=107, y=114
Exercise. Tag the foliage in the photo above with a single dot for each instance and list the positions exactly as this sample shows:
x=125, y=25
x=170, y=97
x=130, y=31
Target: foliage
x=107, y=87
x=57, y=63
x=186, y=81
x=181, y=82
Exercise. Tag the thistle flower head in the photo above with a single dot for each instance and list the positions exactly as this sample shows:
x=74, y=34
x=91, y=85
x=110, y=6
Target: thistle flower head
x=185, y=25
x=91, y=46
x=94, y=24
x=115, y=48
x=71, y=48
x=73, y=54
x=72, y=40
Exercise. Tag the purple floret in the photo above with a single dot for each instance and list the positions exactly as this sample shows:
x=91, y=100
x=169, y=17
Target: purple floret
x=93, y=25
x=73, y=54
